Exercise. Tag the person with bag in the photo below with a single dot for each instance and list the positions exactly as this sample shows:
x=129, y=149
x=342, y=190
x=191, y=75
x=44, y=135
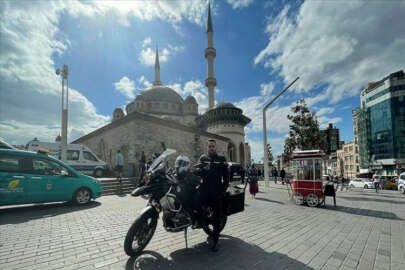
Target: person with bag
x=253, y=179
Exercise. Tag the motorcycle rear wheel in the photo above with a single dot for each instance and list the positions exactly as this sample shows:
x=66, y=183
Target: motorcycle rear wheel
x=140, y=233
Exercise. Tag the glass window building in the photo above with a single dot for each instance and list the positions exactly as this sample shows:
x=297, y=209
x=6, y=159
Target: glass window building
x=381, y=125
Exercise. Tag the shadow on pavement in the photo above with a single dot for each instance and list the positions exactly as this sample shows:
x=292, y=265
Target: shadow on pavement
x=364, y=212
x=372, y=200
x=21, y=214
x=267, y=200
x=233, y=253
x=391, y=196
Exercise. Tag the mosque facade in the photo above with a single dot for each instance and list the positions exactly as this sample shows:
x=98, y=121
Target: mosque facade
x=160, y=117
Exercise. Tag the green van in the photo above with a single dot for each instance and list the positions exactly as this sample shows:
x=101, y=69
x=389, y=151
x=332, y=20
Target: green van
x=34, y=177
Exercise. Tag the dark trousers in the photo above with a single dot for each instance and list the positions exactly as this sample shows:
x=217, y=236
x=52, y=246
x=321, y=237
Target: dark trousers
x=216, y=206
x=215, y=203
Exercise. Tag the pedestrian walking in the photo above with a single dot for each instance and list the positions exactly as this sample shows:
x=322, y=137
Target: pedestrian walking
x=282, y=175
x=252, y=178
x=275, y=175
x=376, y=180
x=119, y=165
x=242, y=175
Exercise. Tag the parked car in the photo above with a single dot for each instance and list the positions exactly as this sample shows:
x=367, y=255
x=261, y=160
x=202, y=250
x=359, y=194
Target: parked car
x=401, y=183
x=34, y=177
x=78, y=156
x=361, y=183
x=391, y=184
x=5, y=145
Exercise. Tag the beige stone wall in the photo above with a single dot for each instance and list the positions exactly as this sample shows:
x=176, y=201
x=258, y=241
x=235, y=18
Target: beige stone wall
x=136, y=135
x=236, y=134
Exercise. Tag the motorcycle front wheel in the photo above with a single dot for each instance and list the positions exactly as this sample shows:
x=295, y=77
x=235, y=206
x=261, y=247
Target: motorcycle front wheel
x=209, y=228
x=140, y=233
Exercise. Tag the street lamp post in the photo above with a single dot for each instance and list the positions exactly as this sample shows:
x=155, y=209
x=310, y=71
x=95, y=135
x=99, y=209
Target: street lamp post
x=64, y=73
x=266, y=162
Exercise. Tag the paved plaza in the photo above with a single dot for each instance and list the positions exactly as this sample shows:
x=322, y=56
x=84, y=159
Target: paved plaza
x=365, y=231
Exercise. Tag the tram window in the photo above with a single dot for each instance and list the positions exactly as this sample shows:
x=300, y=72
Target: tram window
x=309, y=169
x=318, y=169
x=299, y=169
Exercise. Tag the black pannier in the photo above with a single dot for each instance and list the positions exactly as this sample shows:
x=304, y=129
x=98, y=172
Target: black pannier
x=235, y=200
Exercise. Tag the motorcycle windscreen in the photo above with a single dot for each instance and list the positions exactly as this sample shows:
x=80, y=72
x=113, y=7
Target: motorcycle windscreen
x=160, y=162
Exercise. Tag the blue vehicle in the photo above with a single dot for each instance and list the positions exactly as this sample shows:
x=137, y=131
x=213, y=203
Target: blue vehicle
x=36, y=177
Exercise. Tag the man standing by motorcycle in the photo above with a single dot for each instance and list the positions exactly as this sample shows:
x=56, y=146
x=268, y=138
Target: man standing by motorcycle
x=215, y=183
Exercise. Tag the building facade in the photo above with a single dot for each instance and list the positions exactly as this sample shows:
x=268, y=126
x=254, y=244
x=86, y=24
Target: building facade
x=340, y=165
x=355, y=119
x=381, y=125
x=349, y=161
x=332, y=138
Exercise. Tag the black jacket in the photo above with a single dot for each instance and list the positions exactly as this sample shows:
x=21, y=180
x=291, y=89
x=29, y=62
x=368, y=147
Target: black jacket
x=216, y=178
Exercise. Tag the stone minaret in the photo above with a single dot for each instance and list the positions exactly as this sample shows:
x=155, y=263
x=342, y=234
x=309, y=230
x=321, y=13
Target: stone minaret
x=210, y=54
x=157, y=70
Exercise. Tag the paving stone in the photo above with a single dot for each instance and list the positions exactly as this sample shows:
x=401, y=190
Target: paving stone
x=361, y=233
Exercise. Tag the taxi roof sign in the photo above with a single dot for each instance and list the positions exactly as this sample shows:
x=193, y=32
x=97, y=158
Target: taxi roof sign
x=42, y=150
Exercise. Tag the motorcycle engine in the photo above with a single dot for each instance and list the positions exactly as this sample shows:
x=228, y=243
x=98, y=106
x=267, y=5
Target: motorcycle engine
x=174, y=217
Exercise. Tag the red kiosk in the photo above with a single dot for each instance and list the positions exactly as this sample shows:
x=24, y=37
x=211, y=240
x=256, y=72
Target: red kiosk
x=307, y=185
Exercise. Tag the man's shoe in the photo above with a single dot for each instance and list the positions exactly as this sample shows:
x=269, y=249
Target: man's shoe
x=196, y=225
x=212, y=244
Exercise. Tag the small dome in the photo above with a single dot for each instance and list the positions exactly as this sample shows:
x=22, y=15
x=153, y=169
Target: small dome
x=118, y=113
x=191, y=99
x=139, y=98
x=160, y=93
x=225, y=105
x=118, y=110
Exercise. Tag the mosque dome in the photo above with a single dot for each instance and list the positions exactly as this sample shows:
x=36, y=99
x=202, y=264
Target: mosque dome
x=191, y=100
x=160, y=94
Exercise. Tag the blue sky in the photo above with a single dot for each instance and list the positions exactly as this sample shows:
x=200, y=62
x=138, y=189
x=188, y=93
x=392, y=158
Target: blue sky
x=336, y=47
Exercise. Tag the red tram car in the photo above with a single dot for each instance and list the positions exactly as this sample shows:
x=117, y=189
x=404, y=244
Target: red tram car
x=307, y=185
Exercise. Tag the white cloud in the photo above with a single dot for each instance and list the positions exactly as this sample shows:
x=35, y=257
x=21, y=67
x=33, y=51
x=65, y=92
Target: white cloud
x=276, y=116
x=30, y=91
x=171, y=11
x=145, y=82
x=148, y=55
x=194, y=88
x=239, y=3
x=326, y=110
x=126, y=87
x=357, y=42
x=256, y=147
x=147, y=41
x=266, y=88
x=31, y=36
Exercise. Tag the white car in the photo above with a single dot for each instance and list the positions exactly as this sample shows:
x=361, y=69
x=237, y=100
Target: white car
x=361, y=183
x=401, y=183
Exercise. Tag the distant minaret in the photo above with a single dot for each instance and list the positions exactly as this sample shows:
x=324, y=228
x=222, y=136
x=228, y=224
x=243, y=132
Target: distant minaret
x=157, y=70
x=210, y=54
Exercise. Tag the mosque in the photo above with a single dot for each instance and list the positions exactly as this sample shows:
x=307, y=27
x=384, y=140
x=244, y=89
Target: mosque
x=160, y=116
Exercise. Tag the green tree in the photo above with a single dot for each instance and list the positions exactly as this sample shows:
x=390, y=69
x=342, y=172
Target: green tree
x=270, y=157
x=304, y=131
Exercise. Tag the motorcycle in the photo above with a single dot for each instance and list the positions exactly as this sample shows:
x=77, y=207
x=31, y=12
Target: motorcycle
x=163, y=190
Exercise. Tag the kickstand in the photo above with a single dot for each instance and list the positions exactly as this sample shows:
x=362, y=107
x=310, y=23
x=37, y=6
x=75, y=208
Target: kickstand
x=185, y=236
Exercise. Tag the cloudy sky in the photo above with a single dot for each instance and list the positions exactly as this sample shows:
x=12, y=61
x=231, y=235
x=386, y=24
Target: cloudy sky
x=336, y=47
